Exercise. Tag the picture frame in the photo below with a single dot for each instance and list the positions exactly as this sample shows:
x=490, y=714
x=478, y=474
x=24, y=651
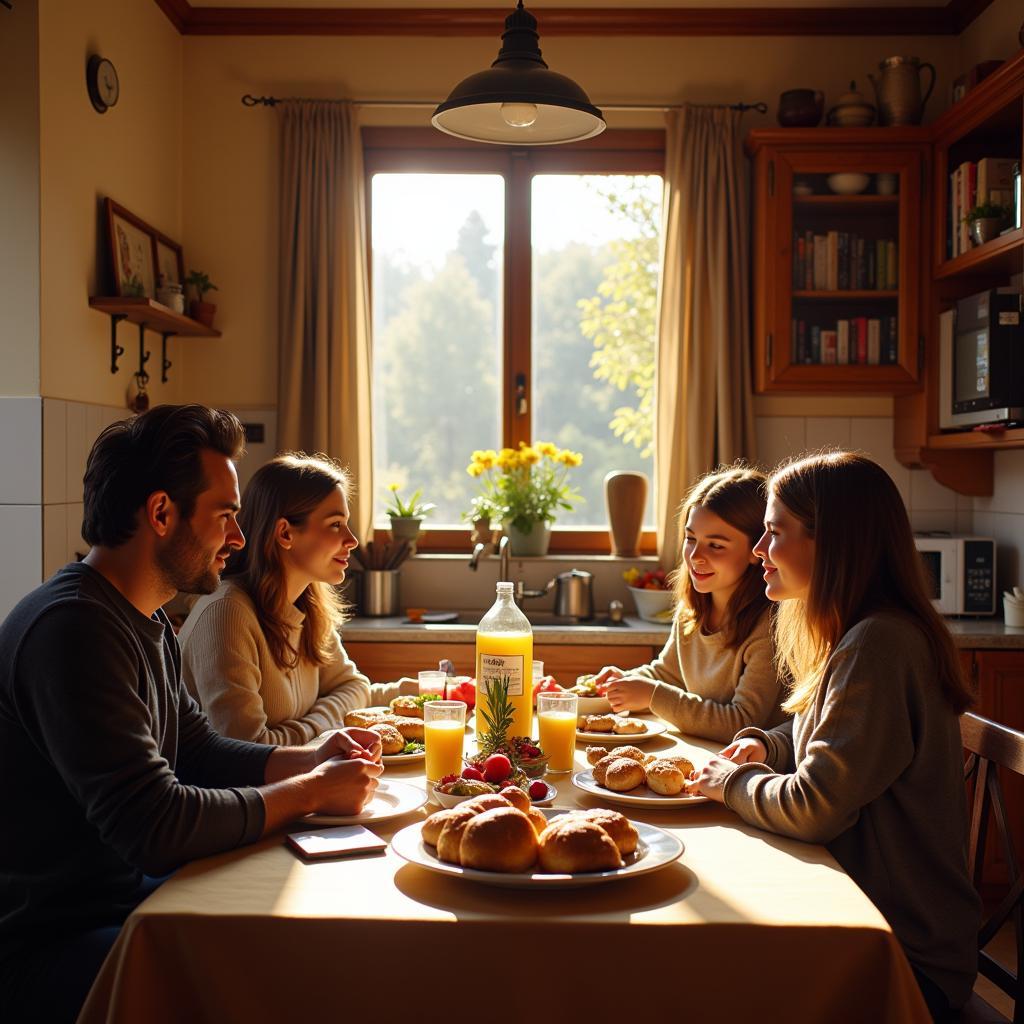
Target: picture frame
x=169, y=260
x=132, y=246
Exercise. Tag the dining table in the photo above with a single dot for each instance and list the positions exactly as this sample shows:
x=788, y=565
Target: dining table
x=745, y=925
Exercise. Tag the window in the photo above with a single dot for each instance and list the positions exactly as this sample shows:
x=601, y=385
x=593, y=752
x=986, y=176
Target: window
x=514, y=299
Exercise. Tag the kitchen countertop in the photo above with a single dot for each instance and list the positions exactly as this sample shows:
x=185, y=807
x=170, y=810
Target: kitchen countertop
x=394, y=629
x=981, y=634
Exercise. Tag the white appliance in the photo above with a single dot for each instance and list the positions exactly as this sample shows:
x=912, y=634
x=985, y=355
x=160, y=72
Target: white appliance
x=961, y=572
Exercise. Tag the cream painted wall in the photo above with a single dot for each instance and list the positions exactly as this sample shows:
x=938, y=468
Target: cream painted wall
x=131, y=153
x=19, y=201
x=230, y=152
x=993, y=35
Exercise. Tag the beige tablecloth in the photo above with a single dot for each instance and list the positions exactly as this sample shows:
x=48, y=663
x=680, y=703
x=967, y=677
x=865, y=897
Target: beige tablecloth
x=746, y=926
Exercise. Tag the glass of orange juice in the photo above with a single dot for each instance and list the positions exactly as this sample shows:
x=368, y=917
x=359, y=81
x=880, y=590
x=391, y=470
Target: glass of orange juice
x=444, y=729
x=556, y=719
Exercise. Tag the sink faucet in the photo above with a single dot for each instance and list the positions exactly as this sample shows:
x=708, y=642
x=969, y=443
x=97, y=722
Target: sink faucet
x=504, y=574
x=478, y=550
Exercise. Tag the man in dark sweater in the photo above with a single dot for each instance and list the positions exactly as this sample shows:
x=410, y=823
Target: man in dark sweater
x=111, y=775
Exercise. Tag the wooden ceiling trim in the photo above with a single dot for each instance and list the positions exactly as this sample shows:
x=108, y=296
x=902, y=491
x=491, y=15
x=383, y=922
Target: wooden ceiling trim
x=562, y=21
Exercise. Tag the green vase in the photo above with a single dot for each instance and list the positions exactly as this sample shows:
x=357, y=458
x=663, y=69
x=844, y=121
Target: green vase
x=526, y=544
x=405, y=527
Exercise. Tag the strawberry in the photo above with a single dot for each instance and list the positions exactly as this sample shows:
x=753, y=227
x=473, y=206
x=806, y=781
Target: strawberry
x=447, y=779
x=538, y=789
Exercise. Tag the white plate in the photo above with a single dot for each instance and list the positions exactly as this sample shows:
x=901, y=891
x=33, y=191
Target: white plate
x=453, y=800
x=611, y=739
x=657, y=848
x=391, y=800
x=639, y=797
x=402, y=758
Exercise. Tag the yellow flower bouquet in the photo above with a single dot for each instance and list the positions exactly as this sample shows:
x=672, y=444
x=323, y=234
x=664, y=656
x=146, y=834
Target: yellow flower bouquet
x=523, y=487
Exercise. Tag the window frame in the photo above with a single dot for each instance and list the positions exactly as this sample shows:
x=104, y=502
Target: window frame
x=427, y=151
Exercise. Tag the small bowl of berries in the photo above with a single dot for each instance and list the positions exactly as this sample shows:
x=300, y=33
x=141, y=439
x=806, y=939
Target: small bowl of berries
x=453, y=789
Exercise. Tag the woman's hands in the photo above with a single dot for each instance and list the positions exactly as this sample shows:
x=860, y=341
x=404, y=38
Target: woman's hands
x=744, y=750
x=710, y=779
x=630, y=694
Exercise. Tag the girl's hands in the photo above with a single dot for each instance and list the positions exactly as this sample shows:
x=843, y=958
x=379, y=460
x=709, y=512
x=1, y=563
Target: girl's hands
x=630, y=694
x=744, y=750
x=710, y=779
x=608, y=675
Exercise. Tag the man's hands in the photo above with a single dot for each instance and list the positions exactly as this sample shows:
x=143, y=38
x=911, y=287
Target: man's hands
x=349, y=744
x=343, y=786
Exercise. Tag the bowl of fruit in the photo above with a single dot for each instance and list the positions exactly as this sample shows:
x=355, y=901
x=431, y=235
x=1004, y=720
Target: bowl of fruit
x=590, y=696
x=652, y=594
x=453, y=789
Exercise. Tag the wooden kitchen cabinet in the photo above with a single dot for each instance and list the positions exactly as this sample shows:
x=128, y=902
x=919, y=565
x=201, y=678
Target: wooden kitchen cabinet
x=383, y=662
x=841, y=267
x=999, y=684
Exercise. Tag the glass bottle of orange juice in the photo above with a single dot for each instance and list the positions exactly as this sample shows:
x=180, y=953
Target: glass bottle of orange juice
x=504, y=650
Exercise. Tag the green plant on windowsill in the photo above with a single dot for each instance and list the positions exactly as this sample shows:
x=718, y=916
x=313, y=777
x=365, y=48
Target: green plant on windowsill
x=406, y=516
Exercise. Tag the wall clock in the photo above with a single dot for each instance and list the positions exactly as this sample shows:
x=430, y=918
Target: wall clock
x=101, y=80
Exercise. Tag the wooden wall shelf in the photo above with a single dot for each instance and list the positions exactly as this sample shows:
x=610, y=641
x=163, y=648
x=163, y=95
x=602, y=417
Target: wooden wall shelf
x=151, y=316
x=978, y=440
x=1002, y=255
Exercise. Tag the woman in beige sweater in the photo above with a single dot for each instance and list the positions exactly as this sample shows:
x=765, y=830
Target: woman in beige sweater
x=871, y=764
x=716, y=673
x=262, y=654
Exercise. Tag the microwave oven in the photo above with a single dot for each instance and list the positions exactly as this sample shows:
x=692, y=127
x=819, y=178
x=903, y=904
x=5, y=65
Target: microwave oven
x=960, y=573
x=981, y=361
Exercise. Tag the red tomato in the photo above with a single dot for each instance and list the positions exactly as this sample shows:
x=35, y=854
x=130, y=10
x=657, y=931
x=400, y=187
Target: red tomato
x=466, y=692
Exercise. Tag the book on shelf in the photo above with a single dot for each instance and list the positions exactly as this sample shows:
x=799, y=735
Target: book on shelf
x=868, y=341
x=841, y=261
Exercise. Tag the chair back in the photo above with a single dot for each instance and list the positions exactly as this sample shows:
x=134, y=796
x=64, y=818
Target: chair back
x=991, y=746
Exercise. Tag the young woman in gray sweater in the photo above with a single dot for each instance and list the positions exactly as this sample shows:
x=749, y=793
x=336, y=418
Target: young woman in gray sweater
x=871, y=764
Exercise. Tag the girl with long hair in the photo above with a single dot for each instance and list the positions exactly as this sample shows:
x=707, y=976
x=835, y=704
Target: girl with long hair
x=716, y=674
x=871, y=763
x=262, y=654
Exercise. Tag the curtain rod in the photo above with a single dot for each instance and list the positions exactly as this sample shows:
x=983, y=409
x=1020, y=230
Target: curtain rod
x=272, y=101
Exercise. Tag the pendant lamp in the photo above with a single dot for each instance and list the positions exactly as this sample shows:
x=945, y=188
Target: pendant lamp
x=518, y=101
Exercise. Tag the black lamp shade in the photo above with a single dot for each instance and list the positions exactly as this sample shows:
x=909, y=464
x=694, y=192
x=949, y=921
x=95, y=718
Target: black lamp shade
x=474, y=109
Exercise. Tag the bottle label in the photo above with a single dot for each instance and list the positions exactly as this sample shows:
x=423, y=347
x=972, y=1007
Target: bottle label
x=495, y=667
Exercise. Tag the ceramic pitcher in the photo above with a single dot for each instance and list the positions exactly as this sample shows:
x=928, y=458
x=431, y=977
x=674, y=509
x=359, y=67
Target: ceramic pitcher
x=898, y=90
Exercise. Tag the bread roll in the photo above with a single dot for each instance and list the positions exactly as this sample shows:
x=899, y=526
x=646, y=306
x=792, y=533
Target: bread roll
x=628, y=726
x=391, y=740
x=571, y=844
x=516, y=797
x=623, y=774
x=449, y=841
x=594, y=754
x=361, y=718
x=684, y=764
x=596, y=723
x=407, y=707
x=633, y=753
x=618, y=826
x=665, y=778
x=487, y=802
x=431, y=828
x=410, y=728
x=499, y=840
x=538, y=820
x=602, y=766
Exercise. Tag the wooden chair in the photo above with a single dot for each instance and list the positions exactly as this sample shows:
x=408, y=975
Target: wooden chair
x=990, y=746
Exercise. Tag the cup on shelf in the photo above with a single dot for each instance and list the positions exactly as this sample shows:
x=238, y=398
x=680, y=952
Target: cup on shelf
x=1013, y=612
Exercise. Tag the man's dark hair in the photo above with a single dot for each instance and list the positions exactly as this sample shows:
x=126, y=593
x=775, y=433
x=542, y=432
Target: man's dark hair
x=157, y=451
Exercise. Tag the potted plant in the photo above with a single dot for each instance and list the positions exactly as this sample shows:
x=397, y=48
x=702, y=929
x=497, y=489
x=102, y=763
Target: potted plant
x=985, y=221
x=407, y=516
x=524, y=489
x=199, y=309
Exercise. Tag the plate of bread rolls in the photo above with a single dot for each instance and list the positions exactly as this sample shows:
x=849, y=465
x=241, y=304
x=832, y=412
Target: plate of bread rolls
x=629, y=776
x=488, y=840
x=613, y=729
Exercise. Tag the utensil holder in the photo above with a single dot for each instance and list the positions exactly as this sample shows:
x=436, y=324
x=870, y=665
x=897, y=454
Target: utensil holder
x=380, y=591
x=1013, y=614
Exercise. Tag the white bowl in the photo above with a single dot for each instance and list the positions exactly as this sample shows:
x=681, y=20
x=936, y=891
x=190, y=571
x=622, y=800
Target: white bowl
x=848, y=183
x=453, y=800
x=653, y=605
x=592, y=705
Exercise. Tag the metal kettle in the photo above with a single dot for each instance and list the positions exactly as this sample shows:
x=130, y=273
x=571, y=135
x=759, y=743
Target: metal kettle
x=574, y=594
